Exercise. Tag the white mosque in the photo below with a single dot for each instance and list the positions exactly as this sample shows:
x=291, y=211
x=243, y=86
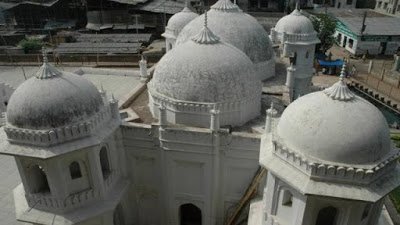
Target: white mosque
x=329, y=156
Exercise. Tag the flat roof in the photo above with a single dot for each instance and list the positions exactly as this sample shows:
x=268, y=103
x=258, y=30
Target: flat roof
x=376, y=23
x=114, y=81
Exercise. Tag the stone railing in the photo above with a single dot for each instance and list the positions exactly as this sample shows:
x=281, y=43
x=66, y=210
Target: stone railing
x=49, y=203
x=198, y=113
x=58, y=135
x=321, y=171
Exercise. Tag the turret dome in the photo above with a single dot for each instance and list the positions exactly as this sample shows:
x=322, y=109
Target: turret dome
x=295, y=23
x=178, y=21
x=52, y=99
x=335, y=126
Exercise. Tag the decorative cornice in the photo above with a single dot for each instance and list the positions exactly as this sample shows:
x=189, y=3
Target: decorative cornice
x=334, y=172
x=60, y=135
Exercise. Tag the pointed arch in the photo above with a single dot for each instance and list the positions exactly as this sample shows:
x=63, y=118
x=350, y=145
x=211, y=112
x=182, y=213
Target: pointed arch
x=38, y=179
x=190, y=214
x=327, y=216
x=104, y=162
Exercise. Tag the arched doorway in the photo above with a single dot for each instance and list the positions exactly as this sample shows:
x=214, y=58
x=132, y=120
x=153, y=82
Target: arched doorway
x=327, y=216
x=189, y=215
x=118, y=216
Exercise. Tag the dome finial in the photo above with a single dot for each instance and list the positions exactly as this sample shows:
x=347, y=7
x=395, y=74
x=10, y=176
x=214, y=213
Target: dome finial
x=343, y=71
x=44, y=54
x=46, y=70
x=340, y=91
x=205, y=18
x=205, y=36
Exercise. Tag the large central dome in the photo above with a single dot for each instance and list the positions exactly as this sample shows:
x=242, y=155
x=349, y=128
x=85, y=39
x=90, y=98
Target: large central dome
x=239, y=29
x=203, y=73
x=52, y=99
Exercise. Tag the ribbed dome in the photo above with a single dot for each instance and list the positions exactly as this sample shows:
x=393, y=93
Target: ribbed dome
x=239, y=29
x=295, y=23
x=52, y=99
x=205, y=70
x=178, y=21
x=335, y=125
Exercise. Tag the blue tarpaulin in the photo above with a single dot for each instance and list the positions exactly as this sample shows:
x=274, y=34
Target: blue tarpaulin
x=337, y=62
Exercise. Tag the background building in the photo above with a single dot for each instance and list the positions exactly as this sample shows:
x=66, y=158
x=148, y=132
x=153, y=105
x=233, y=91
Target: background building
x=391, y=7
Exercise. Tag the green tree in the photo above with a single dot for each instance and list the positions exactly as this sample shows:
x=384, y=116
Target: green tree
x=29, y=45
x=325, y=27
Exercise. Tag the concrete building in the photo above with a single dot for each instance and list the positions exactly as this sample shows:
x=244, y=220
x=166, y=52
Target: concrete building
x=345, y=4
x=329, y=173
x=239, y=29
x=391, y=7
x=380, y=35
x=296, y=38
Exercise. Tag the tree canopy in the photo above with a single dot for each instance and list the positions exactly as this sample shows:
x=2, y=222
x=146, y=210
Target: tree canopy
x=325, y=26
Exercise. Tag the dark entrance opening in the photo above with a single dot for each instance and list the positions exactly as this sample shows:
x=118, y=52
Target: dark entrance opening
x=189, y=215
x=383, y=47
x=327, y=216
x=105, y=164
x=39, y=183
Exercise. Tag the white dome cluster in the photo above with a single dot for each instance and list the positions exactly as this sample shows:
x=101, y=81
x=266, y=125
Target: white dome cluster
x=239, y=29
x=205, y=73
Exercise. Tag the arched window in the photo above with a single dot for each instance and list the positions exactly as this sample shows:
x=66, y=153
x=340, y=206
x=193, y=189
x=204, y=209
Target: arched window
x=104, y=162
x=169, y=46
x=307, y=55
x=189, y=215
x=75, y=170
x=38, y=178
x=327, y=216
x=287, y=198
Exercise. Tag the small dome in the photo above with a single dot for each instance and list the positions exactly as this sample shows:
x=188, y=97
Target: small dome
x=52, y=99
x=336, y=126
x=205, y=70
x=295, y=23
x=178, y=21
x=239, y=29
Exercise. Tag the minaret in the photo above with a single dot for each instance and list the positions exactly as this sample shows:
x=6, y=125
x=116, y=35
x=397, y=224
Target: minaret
x=297, y=44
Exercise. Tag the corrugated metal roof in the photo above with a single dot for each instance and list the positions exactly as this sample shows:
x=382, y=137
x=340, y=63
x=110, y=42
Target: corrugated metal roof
x=388, y=26
x=161, y=6
x=376, y=23
x=129, y=2
x=94, y=48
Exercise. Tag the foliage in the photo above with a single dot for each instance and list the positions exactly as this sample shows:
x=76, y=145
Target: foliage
x=395, y=197
x=29, y=45
x=325, y=27
x=395, y=194
x=396, y=139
